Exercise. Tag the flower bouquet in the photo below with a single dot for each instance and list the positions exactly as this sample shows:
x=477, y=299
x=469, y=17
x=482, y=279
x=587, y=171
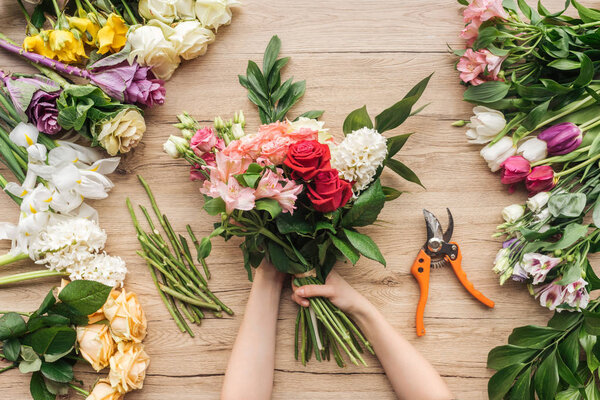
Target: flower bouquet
x=295, y=195
x=532, y=79
x=84, y=321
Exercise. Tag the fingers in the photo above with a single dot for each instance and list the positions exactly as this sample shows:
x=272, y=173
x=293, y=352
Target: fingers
x=315, y=291
x=301, y=301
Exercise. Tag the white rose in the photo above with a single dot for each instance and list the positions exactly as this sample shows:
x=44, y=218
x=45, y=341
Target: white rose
x=537, y=202
x=162, y=10
x=533, y=149
x=185, y=9
x=214, y=13
x=191, y=39
x=512, y=213
x=485, y=124
x=496, y=154
x=150, y=47
x=123, y=132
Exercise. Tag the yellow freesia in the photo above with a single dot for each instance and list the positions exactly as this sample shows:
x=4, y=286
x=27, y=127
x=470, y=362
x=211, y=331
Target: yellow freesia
x=113, y=35
x=37, y=44
x=67, y=48
x=89, y=30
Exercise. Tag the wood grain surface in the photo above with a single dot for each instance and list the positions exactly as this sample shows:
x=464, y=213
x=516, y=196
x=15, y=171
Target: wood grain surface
x=351, y=53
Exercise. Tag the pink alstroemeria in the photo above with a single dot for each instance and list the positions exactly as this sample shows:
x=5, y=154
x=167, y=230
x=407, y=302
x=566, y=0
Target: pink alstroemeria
x=471, y=31
x=235, y=196
x=270, y=186
x=550, y=295
x=226, y=166
x=576, y=295
x=538, y=265
x=484, y=10
x=476, y=67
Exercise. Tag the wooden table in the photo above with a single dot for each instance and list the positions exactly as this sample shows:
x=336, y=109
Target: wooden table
x=351, y=53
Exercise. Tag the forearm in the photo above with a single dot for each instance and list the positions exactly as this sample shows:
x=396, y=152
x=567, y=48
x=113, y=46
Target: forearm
x=249, y=373
x=411, y=375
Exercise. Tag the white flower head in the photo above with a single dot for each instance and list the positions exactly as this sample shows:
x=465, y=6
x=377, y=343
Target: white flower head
x=543, y=215
x=184, y=9
x=513, y=212
x=108, y=270
x=150, y=47
x=122, y=132
x=501, y=263
x=497, y=153
x=358, y=156
x=24, y=135
x=162, y=10
x=537, y=202
x=485, y=124
x=533, y=149
x=191, y=39
x=312, y=124
x=214, y=13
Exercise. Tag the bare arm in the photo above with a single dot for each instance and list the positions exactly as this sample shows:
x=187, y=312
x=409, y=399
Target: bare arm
x=249, y=373
x=410, y=374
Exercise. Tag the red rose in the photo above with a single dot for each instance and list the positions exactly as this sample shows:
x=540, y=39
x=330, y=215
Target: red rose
x=307, y=158
x=328, y=192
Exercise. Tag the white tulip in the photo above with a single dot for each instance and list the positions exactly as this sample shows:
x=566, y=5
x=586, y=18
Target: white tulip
x=537, y=202
x=24, y=135
x=191, y=39
x=162, y=10
x=512, y=213
x=184, y=9
x=533, y=149
x=150, y=47
x=214, y=13
x=497, y=153
x=485, y=125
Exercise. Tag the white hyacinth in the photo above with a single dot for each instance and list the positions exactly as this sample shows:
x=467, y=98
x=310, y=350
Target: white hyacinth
x=101, y=268
x=358, y=156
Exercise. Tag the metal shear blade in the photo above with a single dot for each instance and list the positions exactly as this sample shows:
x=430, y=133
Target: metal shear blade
x=434, y=228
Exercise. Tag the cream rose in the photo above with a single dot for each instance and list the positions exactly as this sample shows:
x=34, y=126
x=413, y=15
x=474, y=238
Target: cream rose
x=128, y=367
x=185, y=9
x=121, y=133
x=150, y=47
x=96, y=344
x=104, y=391
x=214, y=13
x=162, y=10
x=125, y=315
x=191, y=39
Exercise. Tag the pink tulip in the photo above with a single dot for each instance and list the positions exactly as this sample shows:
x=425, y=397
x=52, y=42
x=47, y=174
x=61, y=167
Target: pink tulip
x=515, y=169
x=484, y=10
x=541, y=179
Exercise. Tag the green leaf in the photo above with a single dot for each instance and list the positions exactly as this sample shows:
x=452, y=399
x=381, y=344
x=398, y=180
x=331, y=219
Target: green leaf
x=366, y=208
x=586, y=73
x=395, y=144
x=313, y=114
x=573, y=232
x=532, y=337
x=36, y=322
x=586, y=14
x=365, y=245
x=520, y=390
x=214, y=206
x=566, y=374
x=571, y=273
x=53, y=340
x=11, y=161
x=395, y=115
x=48, y=302
x=257, y=80
x=67, y=311
x=596, y=212
x=591, y=322
x=288, y=223
x=11, y=325
x=275, y=76
x=345, y=248
x=570, y=393
x=501, y=382
x=403, y=171
x=564, y=64
x=38, y=389
x=591, y=390
x=564, y=321
x=86, y=297
x=502, y=356
x=31, y=361
x=269, y=205
x=12, y=349
x=546, y=377
x=59, y=371
x=205, y=248
x=281, y=261
x=55, y=357
x=356, y=120
x=271, y=53
x=487, y=92
x=390, y=193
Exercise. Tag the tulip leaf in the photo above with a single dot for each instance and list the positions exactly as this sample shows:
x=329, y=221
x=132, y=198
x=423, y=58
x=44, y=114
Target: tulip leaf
x=356, y=120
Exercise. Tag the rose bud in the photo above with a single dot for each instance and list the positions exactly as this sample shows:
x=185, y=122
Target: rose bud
x=515, y=169
x=541, y=179
x=104, y=391
x=307, y=158
x=328, y=192
x=562, y=138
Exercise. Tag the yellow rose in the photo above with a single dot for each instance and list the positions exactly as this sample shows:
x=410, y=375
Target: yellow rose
x=121, y=133
x=66, y=47
x=96, y=344
x=125, y=315
x=37, y=44
x=128, y=367
x=88, y=29
x=104, y=391
x=113, y=35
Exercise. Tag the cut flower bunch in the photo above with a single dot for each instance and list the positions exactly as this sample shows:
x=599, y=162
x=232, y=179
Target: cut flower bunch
x=294, y=194
x=81, y=321
x=532, y=75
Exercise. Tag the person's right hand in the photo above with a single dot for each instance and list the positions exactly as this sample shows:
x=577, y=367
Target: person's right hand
x=336, y=289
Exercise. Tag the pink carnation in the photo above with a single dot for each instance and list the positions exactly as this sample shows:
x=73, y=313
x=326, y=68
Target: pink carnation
x=484, y=10
x=479, y=66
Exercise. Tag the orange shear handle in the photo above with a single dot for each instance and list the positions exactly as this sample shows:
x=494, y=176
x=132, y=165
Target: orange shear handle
x=462, y=277
x=421, y=270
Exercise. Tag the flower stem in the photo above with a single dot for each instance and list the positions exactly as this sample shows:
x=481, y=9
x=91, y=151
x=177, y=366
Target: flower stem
x=79, y=390
x=134, y=21
x=11, y=258
x=187, y=299
x=265, y=232
x=563, y=158
x=30, y=275
x=8, y=368
x=577, y=167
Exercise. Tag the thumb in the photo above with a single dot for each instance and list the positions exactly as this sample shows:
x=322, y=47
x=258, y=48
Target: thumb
x=316, y=291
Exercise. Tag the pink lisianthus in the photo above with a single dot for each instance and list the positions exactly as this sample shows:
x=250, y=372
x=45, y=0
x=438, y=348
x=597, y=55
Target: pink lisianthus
x=484, y=10
x=203, y=141
x=270, y=187
x=476, y=67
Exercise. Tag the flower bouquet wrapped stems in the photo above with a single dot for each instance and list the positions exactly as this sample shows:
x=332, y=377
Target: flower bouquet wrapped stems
x=295, y=195
x=179, y=282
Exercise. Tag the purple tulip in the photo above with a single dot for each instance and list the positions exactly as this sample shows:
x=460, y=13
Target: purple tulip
x=562, y=138
x=43, y=112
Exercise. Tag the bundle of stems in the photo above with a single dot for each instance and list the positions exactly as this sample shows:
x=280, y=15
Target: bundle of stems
x=181, y=286
x=333, y=329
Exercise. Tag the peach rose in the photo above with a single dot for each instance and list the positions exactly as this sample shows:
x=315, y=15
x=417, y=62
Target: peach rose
x=125, y=315
x=275, y=150
x=96, y=344
x=303, y=134
x=128, y=367
x=104, y=391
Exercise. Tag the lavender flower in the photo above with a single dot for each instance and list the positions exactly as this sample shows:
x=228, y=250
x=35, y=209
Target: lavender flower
x=562, y=138
x=43, y=112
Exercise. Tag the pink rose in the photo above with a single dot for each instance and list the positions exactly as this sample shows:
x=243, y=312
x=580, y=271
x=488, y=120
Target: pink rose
x=479, y=66
x=273, y=130
x=484, y=10
x=203, y=141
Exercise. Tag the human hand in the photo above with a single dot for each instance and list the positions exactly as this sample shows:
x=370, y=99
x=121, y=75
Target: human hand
x=267, y=272
x=336, y=289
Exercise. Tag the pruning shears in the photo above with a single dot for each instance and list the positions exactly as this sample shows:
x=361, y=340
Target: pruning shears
x=439, y=251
